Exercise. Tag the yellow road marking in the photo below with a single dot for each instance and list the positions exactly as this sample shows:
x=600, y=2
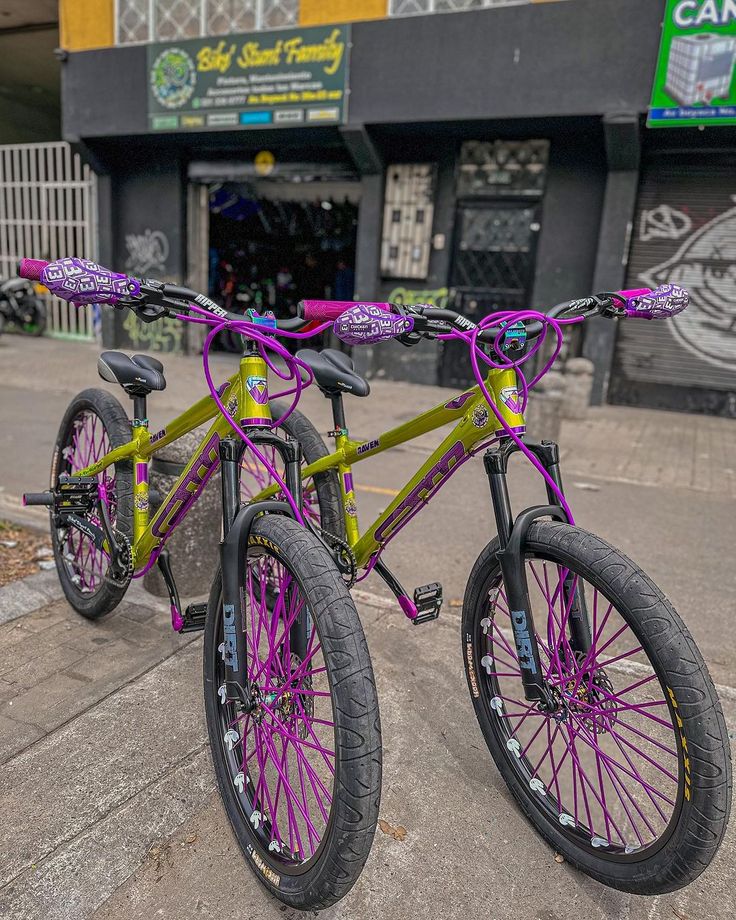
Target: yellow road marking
x=378, y=490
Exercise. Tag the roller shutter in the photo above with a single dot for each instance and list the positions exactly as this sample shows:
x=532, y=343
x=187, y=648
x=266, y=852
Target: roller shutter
x=684, y=232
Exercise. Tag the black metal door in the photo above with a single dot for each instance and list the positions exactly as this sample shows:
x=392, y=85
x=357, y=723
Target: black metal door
x=493, y=269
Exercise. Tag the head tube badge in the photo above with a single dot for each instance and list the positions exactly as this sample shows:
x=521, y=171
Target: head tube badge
x=514, y=336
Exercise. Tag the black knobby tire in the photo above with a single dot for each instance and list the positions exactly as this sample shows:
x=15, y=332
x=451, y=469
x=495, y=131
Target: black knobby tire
x=328, y=510
x=700, y=746
x=337, y=861
x=115, y=425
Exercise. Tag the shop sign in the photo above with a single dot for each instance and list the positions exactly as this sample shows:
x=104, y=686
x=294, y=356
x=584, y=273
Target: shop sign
x=289, y=77
x=694, y=83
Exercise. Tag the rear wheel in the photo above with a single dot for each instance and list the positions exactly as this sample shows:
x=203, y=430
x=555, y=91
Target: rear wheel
x=94, y=423
x=299, y=775
x=630, y=777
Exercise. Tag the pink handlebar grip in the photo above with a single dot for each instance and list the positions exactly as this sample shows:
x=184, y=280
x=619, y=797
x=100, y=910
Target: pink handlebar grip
x=31, y=269
x=322, y=310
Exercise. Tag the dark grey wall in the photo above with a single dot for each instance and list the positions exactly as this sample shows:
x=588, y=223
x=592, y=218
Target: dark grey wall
x=581, y=57
x=147, y=237
x=575, y=58
x=571, y=214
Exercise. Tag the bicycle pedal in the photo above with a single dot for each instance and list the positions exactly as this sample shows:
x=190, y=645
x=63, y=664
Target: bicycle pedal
x=194, y=618
x=428, y=601
x=75, y=494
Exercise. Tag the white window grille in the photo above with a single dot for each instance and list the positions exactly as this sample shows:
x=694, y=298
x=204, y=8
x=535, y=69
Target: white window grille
x=418, y=7
x=278, y=14
x=177, y=19
x=408, y=212
x=174, y=20
x=223, y=16
x=132, y=21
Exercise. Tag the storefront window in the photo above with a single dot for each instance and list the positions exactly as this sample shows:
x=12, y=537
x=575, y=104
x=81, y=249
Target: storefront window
x=173, y=20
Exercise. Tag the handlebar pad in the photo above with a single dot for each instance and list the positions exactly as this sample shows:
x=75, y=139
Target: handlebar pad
x=81, y=281
x=322, y=310
x=367, y=323
x=31, y=269
x=665, y=301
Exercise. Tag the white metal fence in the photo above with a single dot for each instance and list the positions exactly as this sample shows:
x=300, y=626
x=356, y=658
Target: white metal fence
x=48, y=209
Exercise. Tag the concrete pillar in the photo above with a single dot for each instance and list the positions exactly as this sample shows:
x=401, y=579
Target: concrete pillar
x=623, y=153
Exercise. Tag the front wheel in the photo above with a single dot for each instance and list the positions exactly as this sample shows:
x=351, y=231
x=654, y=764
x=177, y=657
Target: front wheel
x=629, y=776
x=300, y=774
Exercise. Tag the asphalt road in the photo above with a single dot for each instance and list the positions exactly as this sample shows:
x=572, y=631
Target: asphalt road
x=468, y=850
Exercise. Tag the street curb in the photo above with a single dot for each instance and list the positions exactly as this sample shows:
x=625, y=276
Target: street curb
x=26, y=595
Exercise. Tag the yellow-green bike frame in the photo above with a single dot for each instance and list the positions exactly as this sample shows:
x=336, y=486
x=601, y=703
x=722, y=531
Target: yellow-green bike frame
x=476, y=427
x=245, y=396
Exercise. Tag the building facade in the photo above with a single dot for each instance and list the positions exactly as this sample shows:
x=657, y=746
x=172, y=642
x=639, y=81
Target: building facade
x=474, y=153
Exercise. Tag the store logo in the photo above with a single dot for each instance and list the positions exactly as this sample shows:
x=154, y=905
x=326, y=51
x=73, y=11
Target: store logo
x=173, y=78
x=705, y=265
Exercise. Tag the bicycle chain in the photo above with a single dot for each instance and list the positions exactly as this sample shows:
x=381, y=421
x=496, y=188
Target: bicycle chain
x=346, y=562
x=125, y=555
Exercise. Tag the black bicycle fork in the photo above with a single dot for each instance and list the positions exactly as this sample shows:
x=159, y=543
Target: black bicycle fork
x=512, y=536
x=237, y=521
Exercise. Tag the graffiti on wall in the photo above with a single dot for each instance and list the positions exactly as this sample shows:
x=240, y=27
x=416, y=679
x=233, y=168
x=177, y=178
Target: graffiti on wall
x=705, y=264
x=147, y=252
x=439, y=297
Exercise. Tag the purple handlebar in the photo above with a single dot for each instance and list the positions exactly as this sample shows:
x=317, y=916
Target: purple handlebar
x=80, y=281
x=325, y=310
x=665, y=301
x=367, y=323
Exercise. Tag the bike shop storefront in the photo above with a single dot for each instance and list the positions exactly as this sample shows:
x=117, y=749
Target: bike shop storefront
x=684, y=232
x=274, y=232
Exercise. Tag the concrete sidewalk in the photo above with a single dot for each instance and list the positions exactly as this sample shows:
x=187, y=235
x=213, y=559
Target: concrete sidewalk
x=107, y=807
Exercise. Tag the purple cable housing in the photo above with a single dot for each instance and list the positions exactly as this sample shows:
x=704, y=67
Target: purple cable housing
x=81, y=281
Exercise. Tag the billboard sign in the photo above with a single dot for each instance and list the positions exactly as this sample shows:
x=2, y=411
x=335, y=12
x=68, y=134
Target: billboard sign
x=694, y=83
x=268, y=79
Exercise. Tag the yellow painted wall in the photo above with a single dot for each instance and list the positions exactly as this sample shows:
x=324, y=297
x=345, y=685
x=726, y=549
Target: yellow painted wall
x=86, y=24
x=317, y=12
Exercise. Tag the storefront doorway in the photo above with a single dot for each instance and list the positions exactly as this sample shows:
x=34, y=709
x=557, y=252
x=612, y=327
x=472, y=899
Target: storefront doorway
x=272, y=244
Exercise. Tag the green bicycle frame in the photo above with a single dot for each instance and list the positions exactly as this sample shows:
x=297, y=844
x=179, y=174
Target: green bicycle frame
x=476, y=427
x=245, y=395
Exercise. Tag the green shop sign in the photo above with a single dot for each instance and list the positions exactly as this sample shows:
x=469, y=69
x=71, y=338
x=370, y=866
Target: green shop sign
x=270, y=79
x=694, y=83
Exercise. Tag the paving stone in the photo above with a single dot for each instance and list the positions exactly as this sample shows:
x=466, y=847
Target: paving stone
x=94, y=764
x=16, y=735
x=44, y=661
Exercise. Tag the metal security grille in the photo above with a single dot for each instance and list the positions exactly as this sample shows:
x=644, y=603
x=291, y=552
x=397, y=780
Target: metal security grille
x=684, y=232
x=491, y=169
x=48, y=209
x=174, y=20
x=417, y=7
x=493, y=269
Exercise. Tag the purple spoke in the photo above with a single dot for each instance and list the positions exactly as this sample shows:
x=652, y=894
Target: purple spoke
x=634, y=776
x=616, y=782
x=608, y=818
x=274, y=759
x=621, y=724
